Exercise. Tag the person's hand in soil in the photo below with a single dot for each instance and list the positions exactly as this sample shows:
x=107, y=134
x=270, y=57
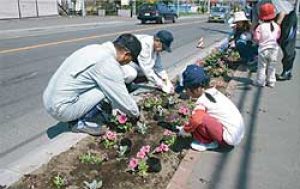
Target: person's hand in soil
x=182, y=132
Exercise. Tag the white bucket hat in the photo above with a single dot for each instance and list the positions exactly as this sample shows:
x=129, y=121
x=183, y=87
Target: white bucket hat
x=240, y=16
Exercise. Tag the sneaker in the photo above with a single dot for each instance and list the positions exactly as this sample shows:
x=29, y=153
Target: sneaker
x=88, y=127
x=286, y=75
x=271, y=84
x=200, y=147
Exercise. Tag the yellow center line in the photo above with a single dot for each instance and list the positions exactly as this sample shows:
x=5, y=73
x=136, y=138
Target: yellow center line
x=5, y=51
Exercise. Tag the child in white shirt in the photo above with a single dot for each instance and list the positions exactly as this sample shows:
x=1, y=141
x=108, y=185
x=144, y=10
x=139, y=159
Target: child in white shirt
x=215, y=120
x=266, y=35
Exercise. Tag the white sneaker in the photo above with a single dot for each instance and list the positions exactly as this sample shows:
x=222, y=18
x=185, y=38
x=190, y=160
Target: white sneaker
x=256, y=83
x=200, y=147
x=271, y=84
x=88, y=127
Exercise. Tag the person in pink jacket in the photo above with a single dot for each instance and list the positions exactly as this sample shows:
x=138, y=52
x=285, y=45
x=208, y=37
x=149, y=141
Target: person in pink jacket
x=266, y=35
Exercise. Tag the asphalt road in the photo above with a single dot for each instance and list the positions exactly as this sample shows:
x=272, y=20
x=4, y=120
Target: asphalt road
x=31, y=53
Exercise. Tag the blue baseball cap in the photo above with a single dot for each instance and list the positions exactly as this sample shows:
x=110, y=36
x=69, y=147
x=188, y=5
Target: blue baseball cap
x=194, y=76
x=166, y=38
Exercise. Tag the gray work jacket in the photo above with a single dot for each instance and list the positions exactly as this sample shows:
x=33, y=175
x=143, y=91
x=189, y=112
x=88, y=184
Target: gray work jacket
x=83, y=80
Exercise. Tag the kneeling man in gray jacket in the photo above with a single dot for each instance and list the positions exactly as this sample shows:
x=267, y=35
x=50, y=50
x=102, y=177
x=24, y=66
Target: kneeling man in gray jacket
x=87, y=78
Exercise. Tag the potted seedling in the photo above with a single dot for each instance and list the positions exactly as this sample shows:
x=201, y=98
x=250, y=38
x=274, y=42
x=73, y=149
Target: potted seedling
x=120, y=121
x=169, y=137
x=110, y=139
x=154, y=165
x=124, y=147
x=159, y=113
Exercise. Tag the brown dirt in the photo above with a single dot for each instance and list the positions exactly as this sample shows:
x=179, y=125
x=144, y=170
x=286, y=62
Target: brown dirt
x=112, y=171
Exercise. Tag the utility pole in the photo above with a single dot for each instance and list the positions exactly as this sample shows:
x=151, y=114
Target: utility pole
x=297, y=7
x=83, y=9
x=178, y=8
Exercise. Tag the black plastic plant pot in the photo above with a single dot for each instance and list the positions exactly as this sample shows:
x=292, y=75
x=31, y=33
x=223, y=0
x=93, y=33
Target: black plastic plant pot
x=126, y=142
x=158, y=118
x=154, y=165
x=167, y=125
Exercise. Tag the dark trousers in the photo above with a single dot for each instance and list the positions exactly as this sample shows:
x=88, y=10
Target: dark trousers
x=287, y=40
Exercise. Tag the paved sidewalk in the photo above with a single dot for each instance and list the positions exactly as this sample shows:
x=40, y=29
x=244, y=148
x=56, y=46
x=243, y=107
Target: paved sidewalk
x=269, y=155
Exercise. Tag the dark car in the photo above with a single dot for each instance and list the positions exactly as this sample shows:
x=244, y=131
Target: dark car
x=219, y=14
x=158, y=12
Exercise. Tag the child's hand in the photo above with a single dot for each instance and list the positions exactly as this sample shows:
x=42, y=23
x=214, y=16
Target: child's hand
x=181, y=131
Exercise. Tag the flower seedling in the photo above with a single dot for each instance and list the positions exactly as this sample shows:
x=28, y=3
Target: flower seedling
x=121, y=121
x=184, y=110
x=122, y=151
x=139, y=164
x=93, y=185
x=110, y=139
x=142, y=168
x=59, y=181
x=161, y=148
x=159, y=113
x=151, y=102
x=141, y=128
x=169, y=137
x=89, y=158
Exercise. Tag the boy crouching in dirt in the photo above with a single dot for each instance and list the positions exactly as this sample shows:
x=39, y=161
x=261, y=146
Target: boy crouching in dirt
x=215, y=120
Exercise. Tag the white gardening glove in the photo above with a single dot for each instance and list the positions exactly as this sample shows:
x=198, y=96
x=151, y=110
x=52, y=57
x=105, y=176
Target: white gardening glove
x=168, y=87
x=181, y=131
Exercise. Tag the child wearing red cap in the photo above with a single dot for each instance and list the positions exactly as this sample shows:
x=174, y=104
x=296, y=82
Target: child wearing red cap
x=215, y=120
x=266, y=35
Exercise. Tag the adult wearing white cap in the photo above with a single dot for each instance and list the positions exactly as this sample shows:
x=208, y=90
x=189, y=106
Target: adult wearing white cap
x=149, y=62
x=243, y=38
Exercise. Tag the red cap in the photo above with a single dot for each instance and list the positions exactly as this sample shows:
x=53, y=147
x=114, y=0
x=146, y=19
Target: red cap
x=267, y=12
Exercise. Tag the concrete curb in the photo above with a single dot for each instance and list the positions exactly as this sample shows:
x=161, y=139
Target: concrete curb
x=35, y=159
x=185, y=169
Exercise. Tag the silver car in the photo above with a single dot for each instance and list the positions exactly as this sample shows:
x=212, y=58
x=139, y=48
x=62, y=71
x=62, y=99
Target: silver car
x=219, y=14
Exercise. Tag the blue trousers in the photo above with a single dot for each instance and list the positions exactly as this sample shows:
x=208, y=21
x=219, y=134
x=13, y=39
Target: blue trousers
x=246, y=49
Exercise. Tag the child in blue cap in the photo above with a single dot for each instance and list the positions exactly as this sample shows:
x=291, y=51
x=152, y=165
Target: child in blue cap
x=215, y=120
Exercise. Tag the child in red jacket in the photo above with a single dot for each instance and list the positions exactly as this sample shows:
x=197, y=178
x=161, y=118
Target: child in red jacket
x=215, y=120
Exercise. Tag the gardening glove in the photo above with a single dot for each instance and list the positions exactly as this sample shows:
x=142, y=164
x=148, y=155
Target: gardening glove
x=168, y=87
x=181, y=131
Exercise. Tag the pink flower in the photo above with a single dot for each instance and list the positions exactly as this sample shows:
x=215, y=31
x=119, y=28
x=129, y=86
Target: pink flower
x=184, y=110
x=141, y=154
x=145, y=149
x=133, y=163
x=168, y=132
x=110, y=135
x=158, y=149
x=122, y=118
x=162, y=148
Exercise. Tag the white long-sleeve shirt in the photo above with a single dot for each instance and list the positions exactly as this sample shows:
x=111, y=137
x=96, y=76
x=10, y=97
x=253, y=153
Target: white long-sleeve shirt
x=225, y=112
x=90, y=68
x=266, y=38
x=150, y=61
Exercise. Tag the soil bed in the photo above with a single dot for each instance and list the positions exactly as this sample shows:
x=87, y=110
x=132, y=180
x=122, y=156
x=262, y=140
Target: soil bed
x=91, y=160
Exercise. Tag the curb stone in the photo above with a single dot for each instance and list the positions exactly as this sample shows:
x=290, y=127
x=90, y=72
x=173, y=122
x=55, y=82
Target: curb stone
x=42, y=155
